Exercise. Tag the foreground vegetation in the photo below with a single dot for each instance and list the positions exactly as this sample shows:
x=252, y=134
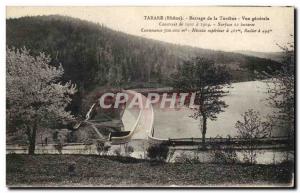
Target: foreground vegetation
x=82, y=170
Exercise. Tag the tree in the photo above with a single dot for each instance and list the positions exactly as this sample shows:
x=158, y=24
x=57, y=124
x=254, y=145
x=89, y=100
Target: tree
x=35, y=97
x=250, y=129
x=281, y=90
x=208, y=80
x=282, y=93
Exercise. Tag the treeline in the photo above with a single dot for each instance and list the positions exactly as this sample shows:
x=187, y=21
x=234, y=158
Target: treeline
x=93, y=55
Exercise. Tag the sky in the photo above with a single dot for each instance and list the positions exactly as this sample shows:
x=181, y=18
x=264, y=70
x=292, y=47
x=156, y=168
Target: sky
x=131, y=20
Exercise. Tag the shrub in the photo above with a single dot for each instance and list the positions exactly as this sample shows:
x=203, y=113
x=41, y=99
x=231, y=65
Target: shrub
x=129, y=150
x=102, y=148
x=71, y=137
x=184, y=158
x=158, y=152
x=117, y=152
x=224, y=156
x=252, y=128
x=72, y=168
x=99, y=147
x=59, y=147
x=106, y=149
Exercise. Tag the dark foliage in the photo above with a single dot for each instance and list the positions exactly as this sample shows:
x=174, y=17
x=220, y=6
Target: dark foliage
x=93, y=55
x=158, y=152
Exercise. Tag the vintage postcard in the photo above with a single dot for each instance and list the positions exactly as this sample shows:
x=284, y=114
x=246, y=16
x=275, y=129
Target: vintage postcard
x=150, y=97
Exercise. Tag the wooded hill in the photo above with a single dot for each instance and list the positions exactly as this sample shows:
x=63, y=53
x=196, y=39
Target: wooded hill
x=276, y=56
x=93, y=55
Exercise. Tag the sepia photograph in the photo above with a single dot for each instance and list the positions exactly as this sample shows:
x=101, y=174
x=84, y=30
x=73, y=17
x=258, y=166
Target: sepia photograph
x=150, y=96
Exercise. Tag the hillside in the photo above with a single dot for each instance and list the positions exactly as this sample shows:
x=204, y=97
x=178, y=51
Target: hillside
x=93, y=55
x=276, y=56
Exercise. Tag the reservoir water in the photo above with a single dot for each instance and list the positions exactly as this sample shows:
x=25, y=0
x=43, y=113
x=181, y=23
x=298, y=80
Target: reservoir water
x=242, y=96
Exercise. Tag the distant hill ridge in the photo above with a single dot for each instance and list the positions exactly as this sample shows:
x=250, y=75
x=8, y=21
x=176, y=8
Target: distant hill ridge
x=276, y=56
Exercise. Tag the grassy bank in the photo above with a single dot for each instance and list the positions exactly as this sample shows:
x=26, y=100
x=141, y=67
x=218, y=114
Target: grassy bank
x=53, y=170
